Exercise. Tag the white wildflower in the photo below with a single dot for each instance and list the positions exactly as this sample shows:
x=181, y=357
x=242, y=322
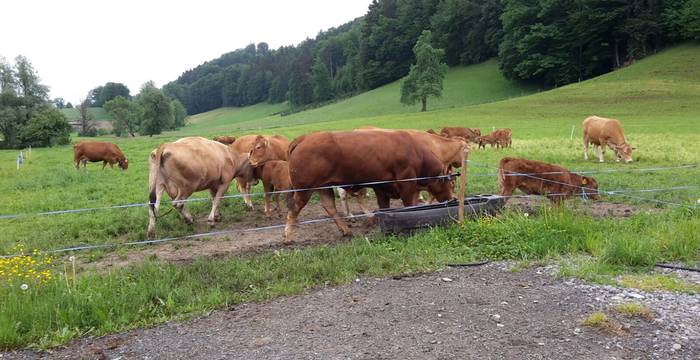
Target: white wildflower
x=24, y=287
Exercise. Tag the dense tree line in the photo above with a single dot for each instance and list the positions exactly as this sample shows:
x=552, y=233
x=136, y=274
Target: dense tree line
x=551, y=42
x=27, y=117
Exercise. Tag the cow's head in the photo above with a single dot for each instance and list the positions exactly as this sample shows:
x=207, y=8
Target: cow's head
x=124, y=163
x=442, y=188
x=624, y=152
x=260, y=151
x=477, y=131
x=589, y=188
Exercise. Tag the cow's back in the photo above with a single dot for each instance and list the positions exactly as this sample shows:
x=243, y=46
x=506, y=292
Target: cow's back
x=196, y=161
x=97, y=150
x=278, y=144
x=599, y=129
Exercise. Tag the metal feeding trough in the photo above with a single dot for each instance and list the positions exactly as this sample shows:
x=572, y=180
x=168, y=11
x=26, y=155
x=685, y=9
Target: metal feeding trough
x=402, y=220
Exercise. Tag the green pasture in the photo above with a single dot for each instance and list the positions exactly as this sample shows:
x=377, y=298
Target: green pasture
x=97, y=113
x=657, y=99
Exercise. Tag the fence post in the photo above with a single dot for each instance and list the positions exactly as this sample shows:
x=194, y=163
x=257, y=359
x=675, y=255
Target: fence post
x=463, y=184
x=573, y=127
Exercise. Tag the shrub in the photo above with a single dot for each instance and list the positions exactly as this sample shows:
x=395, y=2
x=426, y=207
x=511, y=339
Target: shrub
x=48, y=128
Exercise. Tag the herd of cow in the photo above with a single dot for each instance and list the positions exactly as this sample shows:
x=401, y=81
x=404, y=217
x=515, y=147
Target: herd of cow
x=320, y=161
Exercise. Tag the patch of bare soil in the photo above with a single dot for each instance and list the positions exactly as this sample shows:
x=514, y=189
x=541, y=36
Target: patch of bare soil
x=246, y=242
x=484, y=312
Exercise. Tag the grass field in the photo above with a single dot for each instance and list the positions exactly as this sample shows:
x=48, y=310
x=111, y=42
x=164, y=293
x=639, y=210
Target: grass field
x=656, y=99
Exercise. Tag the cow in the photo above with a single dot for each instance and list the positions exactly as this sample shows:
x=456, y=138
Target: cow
x=539, y=178
x=469, y=135
x=226, y=140
x=275, y=177
x=186, y=166
x=96, y=151
x=352, y=157
x=486, y=139
x=278, y=145
x=359, y=196
x=603, y=132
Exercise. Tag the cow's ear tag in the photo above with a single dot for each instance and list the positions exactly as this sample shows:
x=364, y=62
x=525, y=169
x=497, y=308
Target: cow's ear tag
x=584, y=182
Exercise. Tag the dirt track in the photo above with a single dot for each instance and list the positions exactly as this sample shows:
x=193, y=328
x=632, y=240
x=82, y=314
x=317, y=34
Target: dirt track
x=465, y=313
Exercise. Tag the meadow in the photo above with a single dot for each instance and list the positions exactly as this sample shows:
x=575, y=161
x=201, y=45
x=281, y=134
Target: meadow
x=656, y=99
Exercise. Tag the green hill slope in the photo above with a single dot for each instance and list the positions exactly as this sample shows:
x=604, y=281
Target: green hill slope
x=97, y=112
x=476, y=84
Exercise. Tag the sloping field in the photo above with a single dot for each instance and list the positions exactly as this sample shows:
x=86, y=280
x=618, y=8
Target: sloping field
x=476, y=84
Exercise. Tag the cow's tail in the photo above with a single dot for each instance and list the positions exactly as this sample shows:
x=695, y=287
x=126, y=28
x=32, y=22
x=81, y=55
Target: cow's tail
x=155, y=176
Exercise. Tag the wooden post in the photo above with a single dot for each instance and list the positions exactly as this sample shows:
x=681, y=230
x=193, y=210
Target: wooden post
x=463, y=184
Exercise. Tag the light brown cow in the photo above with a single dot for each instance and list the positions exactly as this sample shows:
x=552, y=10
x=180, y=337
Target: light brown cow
x=189, y=165
x=96, y=151
x=351, y=157
x=275, y=177
x=225, y=139
x=486, y=139
x=278, y=145
x=467, y=134
x=539, y=178
x=603, y=132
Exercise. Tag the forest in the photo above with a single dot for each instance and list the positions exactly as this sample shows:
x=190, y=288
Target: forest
x=551, y=43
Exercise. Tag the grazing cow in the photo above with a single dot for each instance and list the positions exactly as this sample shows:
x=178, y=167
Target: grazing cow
x=539, y=178
x=96, y=151
x=351, y=157
x=469, y=135
x=275, y=177
x=603, y=132
x=486, y=139
x=278, y=146
x=189, y=165
x=227, y=140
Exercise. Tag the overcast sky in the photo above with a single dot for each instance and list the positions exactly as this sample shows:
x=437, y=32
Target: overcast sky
x=76, y=45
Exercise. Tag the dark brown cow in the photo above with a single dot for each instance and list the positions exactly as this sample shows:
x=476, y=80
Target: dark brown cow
x=278, y=145
x=226, y=140
x=275, y=177
x=539, y=178
x=467, y=134
x=189, y=165
x=96, y=151
x=352, y=157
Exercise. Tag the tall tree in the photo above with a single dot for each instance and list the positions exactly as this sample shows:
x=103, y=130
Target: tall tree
x=126, y=115
x=426, y=76
x=110, y=91
x=59, y=103
x=179, y=113
x=157, y=114
x=323, y=89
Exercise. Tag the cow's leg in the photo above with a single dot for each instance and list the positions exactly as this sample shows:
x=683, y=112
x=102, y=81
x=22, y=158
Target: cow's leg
x=600, y=153
x=328, y=203
x=217, y=215
x=585, y=148
x=104, y=164
x=243, y=189
x=277, y=203
x=268, y=189
x=343, y=195
x=383, y=199
x=294, y=204
x=179, y=205
x=214, y=215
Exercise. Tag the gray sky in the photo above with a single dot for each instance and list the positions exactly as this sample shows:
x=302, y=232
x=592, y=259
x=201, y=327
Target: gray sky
x=76, y=45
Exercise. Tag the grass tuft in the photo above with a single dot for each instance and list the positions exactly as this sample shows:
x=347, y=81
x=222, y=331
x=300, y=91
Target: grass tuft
x=601, y=322
x=634, y=310
x=659, y=282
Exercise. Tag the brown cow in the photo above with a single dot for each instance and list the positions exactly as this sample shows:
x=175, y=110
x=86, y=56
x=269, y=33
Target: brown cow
x=226, y=140
x=467, y=134
x=244, y=144
x=603, y=132
x=539, y=178
x=96, y=151
x=486, y=139
x=189, y=165
x=352, y=157
x=275, y=177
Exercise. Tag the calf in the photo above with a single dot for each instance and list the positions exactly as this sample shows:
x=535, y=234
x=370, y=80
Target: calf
x=96, y=151
x=275, y=177
x=226, y=140
x=539, y=178
x=486, y=139
x=278, y=151
x=603, y=132
x=503, y=137
x=467, y=134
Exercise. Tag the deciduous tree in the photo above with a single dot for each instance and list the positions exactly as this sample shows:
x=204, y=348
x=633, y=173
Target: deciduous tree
x=426, y=75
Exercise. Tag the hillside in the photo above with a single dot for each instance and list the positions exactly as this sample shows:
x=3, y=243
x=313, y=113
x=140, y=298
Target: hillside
x=468, y=85
x=97, y=112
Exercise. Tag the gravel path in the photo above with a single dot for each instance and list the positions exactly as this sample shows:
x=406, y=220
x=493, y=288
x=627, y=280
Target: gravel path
x=483, y=312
